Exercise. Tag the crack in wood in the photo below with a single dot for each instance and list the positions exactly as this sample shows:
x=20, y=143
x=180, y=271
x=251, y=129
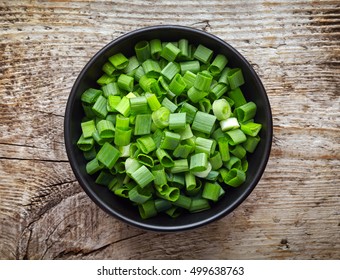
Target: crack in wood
x=84, y=253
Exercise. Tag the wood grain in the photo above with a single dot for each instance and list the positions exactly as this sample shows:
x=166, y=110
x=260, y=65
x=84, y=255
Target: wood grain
x=294, y=212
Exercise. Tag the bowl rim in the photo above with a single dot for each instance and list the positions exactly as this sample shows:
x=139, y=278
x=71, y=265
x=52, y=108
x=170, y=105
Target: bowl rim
x=160, y=228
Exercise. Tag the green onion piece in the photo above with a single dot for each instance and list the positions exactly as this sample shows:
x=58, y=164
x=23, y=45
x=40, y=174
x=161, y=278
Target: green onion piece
x=111, y=118
x=145, y=160
x=186, y=132
x=189, y=79
x=213, y=175
x=204, y=105
x=245, y=112
x=162, y=204
x=163, y=84
x=108, y=68
x=203, y=81
x=152, y=101
x=218, y=90
x=139, y=73
x=191, y=66
x=106, y=79
x=122, y=122
x=235, y=177
x=235, y=78
x=234, y=162
x=100, y=107
x=142, y=50
x=108, y=155
x=90, y=154
x=199, y=204
x=176, y=180
x=235, y=137
x=143, y=124
x=218, y=64
x=229, y=124
x=170, y=70
x=180, y=165
x=159, y=173
x=110, y=89
x=161, y=189
x=203, y=54
x=223, y=79
x=211, y=191
x=164, y=158
x=190, y=181
x=174, y=212
x=204, y=173
x=170, y=140
x=88, y=111
x=237, y=96
x=244, y=164
x=133, y=64
x=125, y=82
x=124, y=150
x=90, y=95
x=146, y=144
x=142, y=176
x=123, y=106
x=189, y=110
x=85, y=144
x=157, y=137
x=122, y=137
x=218, y=133
x=203, y=122
x=251, y=143
x=182, y=151
x=171, y=194
x=112, y=102
x=160, y=117
x=146, y=83
x=170, y=52
x=147, y=210
x=151, y=68
x=183, y=202
x=155, y=48
x=204, y=145
x=183, y=45
x=139, y=105
x=177, y=85
x=88, y=128
x=251, y=128
x=93, y=166
x=221, y=109
x=104, y=178
x=136, y=195
x=177, y=121
x=198, y=162
x=223, y=148
x=131, y=165
x=119, y=167
x=238, y=151
x=216, y=161
x=119, y=61
x=196, y=95
x=105, y=129
x=170, y=105
x=100, y=140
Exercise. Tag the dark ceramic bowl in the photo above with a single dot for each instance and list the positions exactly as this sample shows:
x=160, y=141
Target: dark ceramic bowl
x=118, y=207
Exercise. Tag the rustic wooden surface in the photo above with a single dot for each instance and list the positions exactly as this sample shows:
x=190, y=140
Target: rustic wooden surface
x=294, y=213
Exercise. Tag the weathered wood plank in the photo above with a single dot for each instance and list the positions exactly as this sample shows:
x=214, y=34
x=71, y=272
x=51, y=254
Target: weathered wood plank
x=292, y=214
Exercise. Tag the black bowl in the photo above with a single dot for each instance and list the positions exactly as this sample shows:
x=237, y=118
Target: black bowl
x=119, y=208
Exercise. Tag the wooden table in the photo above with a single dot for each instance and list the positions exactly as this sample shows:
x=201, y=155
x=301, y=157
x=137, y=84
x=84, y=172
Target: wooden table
x=294, y=212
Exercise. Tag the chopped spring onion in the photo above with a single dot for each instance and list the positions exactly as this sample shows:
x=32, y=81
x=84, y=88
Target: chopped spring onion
x=166, y=125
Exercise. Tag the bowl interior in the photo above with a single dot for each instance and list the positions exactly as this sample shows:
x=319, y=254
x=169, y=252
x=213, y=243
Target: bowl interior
x=252, y=89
